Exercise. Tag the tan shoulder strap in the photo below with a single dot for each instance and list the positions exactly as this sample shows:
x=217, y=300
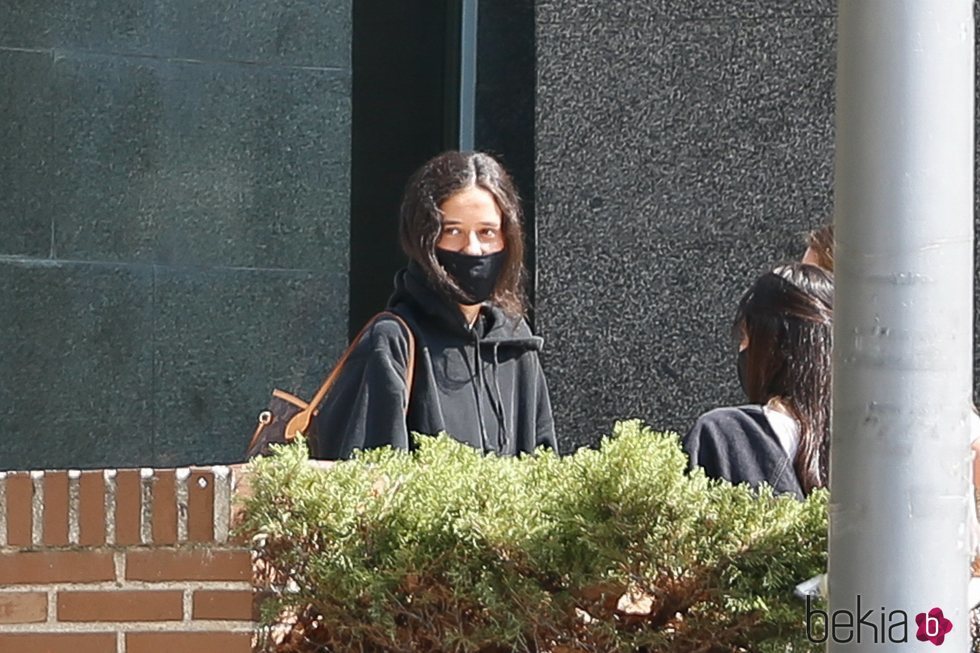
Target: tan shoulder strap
x=339, y=367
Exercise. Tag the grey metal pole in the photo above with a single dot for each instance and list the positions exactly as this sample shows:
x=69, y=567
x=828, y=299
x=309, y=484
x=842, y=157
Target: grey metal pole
x=467, y=74
x=903, y=323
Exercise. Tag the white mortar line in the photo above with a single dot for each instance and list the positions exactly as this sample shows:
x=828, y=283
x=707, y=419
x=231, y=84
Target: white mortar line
x=188, y=604
x=146, y=502
x=52, y=606
x=120, y=642
x=3, y=509
x=74, y=530
x=200, y=626
x=131, y=585
x=119, y=563
x=180, y=479
x=109, y=476
x=37, y=508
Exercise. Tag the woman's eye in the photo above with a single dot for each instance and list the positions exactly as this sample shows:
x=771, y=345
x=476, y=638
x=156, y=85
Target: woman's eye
x=490, y=233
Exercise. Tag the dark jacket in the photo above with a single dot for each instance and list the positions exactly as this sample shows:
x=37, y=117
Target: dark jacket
x=739, y=445
x=484, y=386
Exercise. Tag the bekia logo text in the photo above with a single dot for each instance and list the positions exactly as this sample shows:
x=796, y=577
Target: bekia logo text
x=873, y=626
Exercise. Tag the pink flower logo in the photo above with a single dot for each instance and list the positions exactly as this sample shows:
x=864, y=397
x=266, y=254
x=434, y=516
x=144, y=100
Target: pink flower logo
x=933, y=626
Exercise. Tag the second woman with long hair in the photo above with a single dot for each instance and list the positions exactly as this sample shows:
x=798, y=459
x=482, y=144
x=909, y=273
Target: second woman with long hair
x=782, y=437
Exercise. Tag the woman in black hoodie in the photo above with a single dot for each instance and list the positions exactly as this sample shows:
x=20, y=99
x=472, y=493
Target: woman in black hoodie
x=477, y=375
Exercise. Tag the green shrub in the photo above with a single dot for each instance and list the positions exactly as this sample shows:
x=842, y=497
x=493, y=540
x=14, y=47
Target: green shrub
x=615, y=549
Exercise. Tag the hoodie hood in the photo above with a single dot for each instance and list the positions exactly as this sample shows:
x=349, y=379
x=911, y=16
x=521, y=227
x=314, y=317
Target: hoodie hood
x=413, y=289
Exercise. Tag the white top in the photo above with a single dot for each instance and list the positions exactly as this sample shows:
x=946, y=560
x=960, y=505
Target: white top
x=788, y=431
x=785, y=428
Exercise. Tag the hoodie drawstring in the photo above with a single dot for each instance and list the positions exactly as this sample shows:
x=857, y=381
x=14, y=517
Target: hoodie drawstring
x=496, y=403
x=501, y=420
x=478, y=372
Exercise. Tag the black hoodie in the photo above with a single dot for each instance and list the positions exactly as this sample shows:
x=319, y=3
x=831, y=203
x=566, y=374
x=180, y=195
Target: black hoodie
x=482, y=385
x=738, y=444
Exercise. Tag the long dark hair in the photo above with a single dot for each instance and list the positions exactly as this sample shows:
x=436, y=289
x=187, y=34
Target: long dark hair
x=420, y=221
x=787, y=315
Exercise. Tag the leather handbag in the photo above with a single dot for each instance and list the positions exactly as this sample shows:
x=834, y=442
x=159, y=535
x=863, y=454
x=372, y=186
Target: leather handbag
x=289, y=416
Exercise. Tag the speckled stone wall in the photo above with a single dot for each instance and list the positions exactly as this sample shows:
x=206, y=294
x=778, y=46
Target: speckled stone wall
x=174, y=190
x=682, y=147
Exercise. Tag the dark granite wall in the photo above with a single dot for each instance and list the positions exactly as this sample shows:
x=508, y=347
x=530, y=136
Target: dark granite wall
x=682, y=146
x=175, y=186
x=404, y=101
x=174, y=234
x=505, y=96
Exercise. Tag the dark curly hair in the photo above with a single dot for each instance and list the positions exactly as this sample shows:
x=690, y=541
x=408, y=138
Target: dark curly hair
x=420, y=221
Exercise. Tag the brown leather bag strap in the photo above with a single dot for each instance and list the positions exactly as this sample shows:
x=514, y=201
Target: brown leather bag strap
x=339, y=367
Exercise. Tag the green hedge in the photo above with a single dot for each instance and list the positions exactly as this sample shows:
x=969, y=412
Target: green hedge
x=615, y=549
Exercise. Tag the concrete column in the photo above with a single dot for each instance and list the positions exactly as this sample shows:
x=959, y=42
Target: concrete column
x=903, y=319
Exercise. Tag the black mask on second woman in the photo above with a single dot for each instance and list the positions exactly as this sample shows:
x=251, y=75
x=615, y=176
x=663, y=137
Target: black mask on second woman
x=475, y=275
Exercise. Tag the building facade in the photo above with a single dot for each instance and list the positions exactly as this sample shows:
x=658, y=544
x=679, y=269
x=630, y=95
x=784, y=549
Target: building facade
x=197, y=200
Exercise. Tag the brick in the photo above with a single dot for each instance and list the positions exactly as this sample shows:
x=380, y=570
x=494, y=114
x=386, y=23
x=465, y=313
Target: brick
x=128, y=501
x=20, y=519
x=40, y=567
x=156, y=565
x=23, y=607
x=111, y=605
x=55, y=521
x=225, y=605
x=164, y=507
x=59, y=643
x=91, y=508
x=188, y=642
x=200, y=506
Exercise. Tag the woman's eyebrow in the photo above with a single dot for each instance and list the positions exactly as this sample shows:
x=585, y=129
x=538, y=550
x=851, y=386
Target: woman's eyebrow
x=452, y=222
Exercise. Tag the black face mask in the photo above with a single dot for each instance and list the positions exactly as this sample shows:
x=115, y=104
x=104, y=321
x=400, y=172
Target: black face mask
x=475, y=275
x=743, y=357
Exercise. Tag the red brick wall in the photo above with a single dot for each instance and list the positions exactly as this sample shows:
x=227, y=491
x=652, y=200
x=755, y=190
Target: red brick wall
x=127, y=561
